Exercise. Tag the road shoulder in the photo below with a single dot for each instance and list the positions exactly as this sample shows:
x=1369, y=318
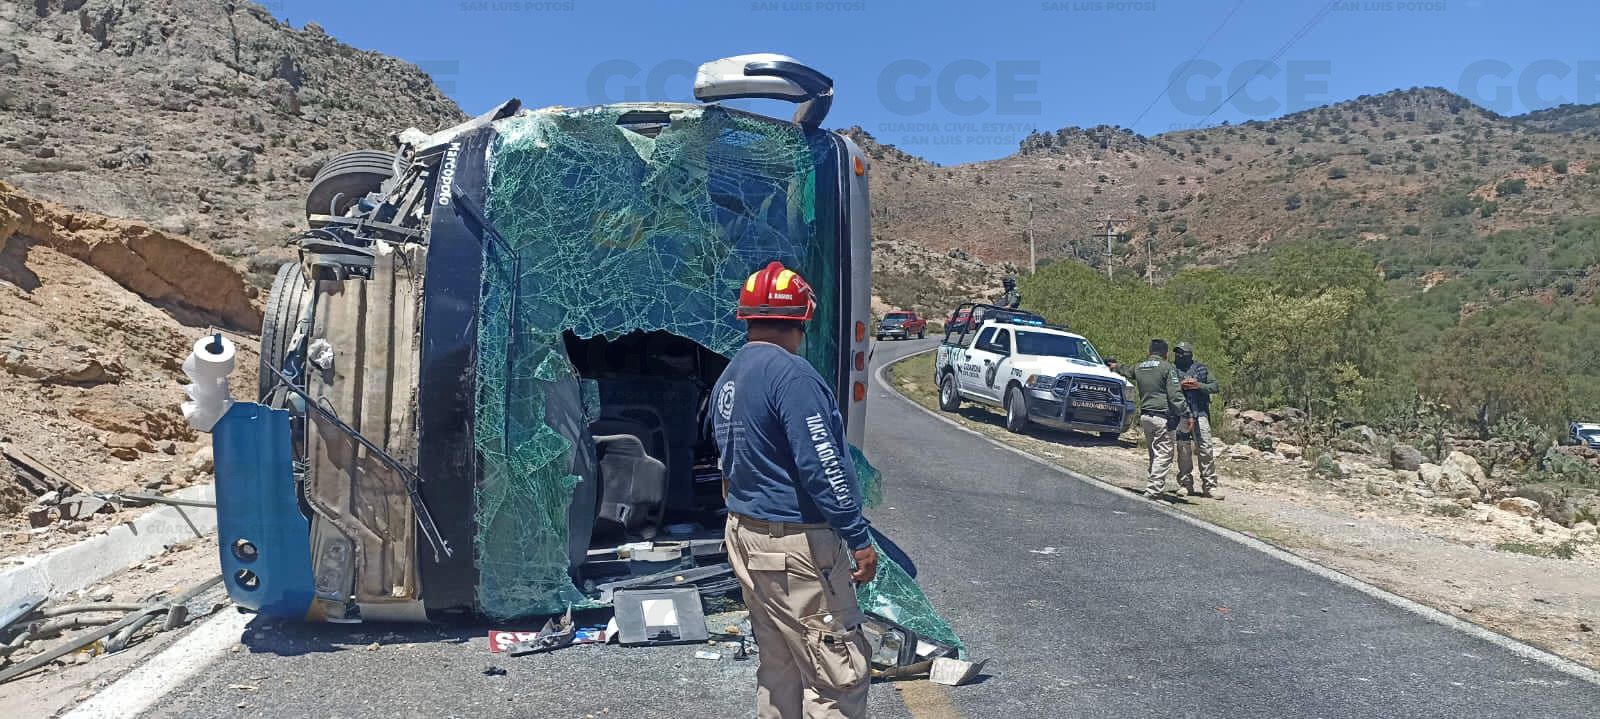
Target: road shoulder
x=1442, y=568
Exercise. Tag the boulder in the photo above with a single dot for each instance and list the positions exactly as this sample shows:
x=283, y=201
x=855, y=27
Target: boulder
x=1288, y=451
x=1255, y=416
x=1241, y=451
x=1556, y=503
x=1449, y=482
x=1519, y=506
x=202, y=462
x=1405, y=457
x=127, y=445
x=1467, y=469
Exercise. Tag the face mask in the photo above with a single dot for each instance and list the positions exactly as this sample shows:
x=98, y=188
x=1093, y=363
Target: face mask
x=1183, y=361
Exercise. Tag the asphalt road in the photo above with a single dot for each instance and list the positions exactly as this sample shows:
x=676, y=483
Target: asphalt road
x=1134, y=614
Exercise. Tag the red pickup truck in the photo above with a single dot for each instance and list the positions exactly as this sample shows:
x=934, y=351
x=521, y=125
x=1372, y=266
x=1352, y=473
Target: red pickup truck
x=901, y=325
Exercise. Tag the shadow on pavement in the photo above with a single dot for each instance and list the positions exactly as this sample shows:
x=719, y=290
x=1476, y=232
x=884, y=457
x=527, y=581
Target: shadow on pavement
x=1167, y=497
x=984, y=415
x=282, y=637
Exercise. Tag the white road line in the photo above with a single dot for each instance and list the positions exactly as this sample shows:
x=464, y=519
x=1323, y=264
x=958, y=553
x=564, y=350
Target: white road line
x=1525, y=651
x=141, y=688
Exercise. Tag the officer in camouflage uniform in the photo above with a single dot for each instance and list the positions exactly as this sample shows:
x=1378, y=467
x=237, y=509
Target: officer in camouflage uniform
x=1198, y=385
x=1162, y=412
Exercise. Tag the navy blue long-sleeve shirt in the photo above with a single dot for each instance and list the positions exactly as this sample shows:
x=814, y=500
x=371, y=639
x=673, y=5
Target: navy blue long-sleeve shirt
x=778, y=429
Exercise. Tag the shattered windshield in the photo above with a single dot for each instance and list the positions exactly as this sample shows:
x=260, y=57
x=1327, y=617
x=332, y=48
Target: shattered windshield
x=1052, y=345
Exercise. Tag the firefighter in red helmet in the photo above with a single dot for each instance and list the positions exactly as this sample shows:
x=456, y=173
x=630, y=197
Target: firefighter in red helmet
x=795, y=536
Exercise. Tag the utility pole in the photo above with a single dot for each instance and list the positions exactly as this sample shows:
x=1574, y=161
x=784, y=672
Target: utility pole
x=1033, y=260
x=1149, y=266
x=1108, y=232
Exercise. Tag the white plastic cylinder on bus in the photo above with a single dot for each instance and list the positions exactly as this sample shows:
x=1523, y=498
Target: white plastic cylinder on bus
x=208, y=367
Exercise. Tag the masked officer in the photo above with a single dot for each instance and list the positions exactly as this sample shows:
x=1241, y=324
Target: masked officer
x=795, y=534
x=1012, y=297
x=1195, y=379
x=1162, y=412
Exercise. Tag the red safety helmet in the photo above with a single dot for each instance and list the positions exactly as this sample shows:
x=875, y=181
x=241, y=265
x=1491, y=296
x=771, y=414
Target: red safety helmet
x=776, y=293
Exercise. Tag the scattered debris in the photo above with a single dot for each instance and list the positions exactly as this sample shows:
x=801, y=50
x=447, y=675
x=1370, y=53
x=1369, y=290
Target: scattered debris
x=670, y=578
x=107, y=639
x=899, y=652
x=660, y=616
x=703, y=654
x=555, y=635
x=954, y=672
x=493, y=671
x=374, y=647
x=1046, y=551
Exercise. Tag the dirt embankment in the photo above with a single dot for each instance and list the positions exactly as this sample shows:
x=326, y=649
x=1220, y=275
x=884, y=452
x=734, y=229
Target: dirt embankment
x=160, y=268
x=96, y=316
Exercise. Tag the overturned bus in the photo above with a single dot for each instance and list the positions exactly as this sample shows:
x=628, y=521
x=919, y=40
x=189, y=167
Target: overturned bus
x=482, y=386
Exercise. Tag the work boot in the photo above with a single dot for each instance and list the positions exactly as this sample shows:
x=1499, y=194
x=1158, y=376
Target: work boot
x=1188, y=488
x=1150, y=494
x=1211, y=493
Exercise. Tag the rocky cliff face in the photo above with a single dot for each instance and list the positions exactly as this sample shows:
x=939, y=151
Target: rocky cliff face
x=205, y=117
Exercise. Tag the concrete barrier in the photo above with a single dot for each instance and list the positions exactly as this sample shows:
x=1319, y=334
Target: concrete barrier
x=83, y=564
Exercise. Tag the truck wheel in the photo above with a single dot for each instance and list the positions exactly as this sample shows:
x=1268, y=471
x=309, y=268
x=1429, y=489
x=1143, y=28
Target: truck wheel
x=347, y=178
x=921, y=334
x=286, y=306
x=1016, y=409
x=949, y=396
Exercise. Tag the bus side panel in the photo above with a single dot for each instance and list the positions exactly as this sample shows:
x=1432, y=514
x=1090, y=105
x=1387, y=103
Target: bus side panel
x=447, y=458
x=859, y=224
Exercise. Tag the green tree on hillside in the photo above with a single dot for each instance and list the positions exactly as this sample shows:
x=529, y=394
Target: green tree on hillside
x=1488, y=372
x=1290, y=349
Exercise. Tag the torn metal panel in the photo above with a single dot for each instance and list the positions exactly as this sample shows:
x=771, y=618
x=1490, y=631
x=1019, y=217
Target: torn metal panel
x=365, y=537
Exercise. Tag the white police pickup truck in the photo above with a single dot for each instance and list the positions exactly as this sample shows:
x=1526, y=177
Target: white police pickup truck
x=1037, y=372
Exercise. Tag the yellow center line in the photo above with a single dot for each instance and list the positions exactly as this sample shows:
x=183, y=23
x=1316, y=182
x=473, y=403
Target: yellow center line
x=926, y=700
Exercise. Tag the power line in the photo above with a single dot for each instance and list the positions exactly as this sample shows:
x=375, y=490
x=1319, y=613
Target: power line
x=1168, y=87
x=1302, y=32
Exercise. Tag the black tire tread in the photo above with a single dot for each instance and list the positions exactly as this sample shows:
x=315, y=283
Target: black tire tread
x=353, y=174
x=290, y=292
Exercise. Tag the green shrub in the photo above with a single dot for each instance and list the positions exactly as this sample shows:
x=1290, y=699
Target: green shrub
x=1513, y=186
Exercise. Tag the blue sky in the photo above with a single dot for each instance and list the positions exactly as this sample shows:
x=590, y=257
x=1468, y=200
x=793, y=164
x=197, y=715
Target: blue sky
x=963, y=81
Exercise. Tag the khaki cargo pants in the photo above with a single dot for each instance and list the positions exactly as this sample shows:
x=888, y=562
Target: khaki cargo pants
x=1201, y=444
x=813, y=654
x=1158, y=443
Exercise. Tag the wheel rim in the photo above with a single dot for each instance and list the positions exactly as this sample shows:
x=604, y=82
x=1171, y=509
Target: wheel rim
x=948, y=391
x=1012, y=409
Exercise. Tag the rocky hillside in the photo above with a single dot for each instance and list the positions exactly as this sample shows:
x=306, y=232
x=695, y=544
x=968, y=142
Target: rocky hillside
x=95, y=316
x=206, y=118
x=1406, y=168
